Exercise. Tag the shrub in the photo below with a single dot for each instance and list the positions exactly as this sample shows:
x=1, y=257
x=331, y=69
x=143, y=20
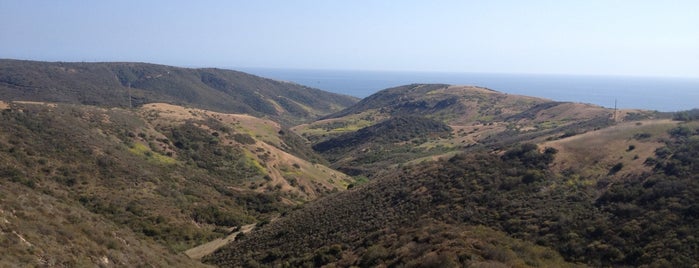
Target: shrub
x=374, y=255
x=681, y=132
x=616, y=168
x=213, y=215
x=642, y=136
x=243, y=138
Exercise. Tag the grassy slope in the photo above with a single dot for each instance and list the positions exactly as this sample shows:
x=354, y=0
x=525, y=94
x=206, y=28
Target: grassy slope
x=161, y=174
x=594, y=153
x=133, y=84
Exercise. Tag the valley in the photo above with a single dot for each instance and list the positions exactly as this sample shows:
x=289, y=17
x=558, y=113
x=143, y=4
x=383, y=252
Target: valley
x=134, y=164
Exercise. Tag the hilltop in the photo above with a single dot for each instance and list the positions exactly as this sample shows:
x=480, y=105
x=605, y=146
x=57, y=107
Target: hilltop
x=129, y=84
x=462, y=118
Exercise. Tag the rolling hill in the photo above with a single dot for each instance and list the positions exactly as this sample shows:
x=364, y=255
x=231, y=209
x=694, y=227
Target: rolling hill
x=553, y=184
x=489, y=210
x=475, y=117
x=134, y=84
x=134, y=164
x=87, y=185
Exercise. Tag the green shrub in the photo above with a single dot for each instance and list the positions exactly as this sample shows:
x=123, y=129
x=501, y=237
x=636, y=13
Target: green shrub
x=616, y=168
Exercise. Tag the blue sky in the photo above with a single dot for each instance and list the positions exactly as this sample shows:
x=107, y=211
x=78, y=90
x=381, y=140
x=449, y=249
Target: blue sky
x=644, y=38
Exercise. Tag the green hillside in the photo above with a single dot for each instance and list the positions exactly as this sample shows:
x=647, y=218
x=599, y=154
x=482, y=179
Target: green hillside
x=134, y=164
x=164, y=178
x=134, y=84
x=421, y=212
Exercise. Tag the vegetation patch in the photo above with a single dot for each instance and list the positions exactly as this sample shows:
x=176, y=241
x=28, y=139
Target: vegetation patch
x=143, y=150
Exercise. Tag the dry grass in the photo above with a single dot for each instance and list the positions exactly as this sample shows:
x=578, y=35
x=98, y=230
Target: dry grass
x=261, y=128
x=595, y=153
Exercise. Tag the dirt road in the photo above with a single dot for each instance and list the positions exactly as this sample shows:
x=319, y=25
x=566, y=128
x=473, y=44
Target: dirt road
x=202, y=250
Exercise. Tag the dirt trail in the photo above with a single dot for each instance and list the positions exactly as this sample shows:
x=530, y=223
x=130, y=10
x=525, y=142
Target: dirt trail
x=198, y=252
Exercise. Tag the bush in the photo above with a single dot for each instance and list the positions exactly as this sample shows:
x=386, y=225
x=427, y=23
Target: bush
x=213, y=215
x=533, y=175
x=243, y=138
x=642, y=136
x=616, y=168
x=681, y=132
x=373, y=256
x=528, y=155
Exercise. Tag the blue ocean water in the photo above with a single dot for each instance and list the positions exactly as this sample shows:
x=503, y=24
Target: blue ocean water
x=651, y=93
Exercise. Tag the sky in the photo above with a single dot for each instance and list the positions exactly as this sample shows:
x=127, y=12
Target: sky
x=592, y=37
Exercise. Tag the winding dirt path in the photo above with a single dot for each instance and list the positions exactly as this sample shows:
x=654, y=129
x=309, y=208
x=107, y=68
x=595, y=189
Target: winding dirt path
x=198, y=252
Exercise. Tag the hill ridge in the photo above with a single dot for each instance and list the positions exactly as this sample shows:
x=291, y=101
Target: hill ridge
x=130, y=84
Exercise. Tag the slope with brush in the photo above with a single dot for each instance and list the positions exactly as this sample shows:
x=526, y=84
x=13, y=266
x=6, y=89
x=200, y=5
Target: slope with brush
x=134, y=84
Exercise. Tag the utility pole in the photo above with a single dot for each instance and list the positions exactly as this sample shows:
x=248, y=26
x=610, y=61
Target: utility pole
x=614, y=110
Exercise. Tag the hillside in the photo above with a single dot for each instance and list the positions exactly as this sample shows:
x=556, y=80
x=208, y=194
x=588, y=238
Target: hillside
x=476, y=118
x=42, y=230
x=208, y=161
x=134, y=84
x=497, y=210
x=140, y=186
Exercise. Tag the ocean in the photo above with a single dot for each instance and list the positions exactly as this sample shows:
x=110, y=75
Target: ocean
x=651, y=93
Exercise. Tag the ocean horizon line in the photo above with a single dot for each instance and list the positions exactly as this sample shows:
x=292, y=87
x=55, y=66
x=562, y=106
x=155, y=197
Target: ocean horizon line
x=664, y=94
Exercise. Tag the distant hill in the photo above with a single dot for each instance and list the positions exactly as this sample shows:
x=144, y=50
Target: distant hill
x=134, y=84
x=397, y=99
x=354, y=140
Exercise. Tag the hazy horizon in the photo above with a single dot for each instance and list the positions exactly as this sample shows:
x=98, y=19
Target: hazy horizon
x=619, y=38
